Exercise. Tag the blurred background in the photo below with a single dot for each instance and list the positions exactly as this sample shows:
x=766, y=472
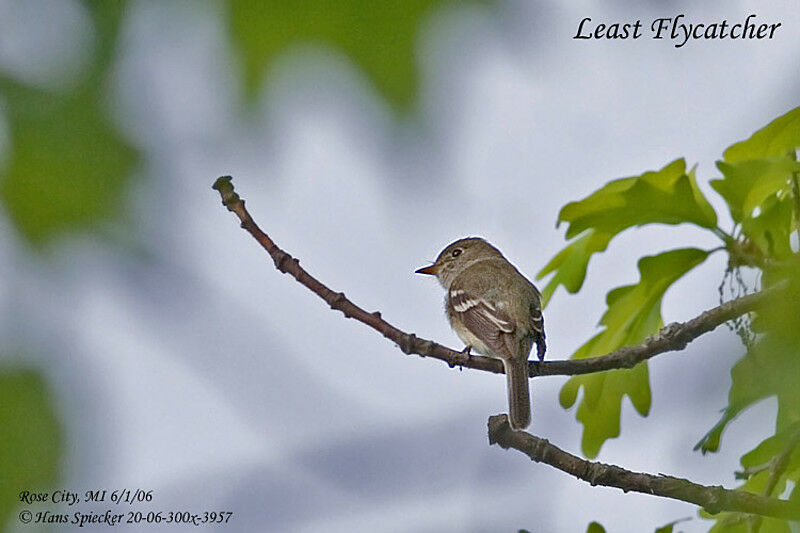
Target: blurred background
x=146, y=341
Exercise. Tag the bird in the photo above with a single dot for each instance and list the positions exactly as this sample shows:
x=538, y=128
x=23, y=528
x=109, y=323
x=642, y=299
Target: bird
x=494, y=310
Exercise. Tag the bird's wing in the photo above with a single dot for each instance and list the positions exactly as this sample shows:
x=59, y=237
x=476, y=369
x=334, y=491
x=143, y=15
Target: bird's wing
x=537, y=327
x=486, y=320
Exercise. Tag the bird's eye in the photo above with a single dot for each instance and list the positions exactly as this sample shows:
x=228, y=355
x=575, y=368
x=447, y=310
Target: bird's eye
x=457, y=252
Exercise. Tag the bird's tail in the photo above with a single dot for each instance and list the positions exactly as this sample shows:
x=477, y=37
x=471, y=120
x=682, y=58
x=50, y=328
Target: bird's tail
x=519, y=402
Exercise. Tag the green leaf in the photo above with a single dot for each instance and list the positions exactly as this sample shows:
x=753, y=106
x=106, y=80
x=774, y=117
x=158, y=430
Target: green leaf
x=379, y=37
x=31, y=439
x=767, y=451
x=771, y=366
x=740, y=523
x=569, y=392
x=595, y=527
x=667, y=196
x=667, y=528
x=771, y=230
x=775, y=139
x=570, y=263
x=68, y=169
x=747, y=184
x=633, y=313
x=769, y=448
x=710, y=441
x=760, y=460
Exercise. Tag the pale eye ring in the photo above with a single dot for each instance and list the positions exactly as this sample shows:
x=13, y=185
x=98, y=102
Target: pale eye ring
x=457, y=252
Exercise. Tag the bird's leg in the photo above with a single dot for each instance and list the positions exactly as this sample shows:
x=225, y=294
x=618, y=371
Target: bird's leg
x=467, y=351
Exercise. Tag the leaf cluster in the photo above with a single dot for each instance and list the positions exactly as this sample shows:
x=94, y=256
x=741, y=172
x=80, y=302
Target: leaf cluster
x=759, y=184
x=69, y=169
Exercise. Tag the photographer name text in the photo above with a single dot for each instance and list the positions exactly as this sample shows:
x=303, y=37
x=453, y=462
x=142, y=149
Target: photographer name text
x=679, y=29
x=108, y=508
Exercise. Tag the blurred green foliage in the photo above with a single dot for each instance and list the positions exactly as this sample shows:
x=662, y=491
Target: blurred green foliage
x=381, y=38
x=30, y=440
x=595, y=527
x=668, y=528
x=67, y=169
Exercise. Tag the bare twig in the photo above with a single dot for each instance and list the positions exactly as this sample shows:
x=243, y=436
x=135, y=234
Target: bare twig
x=713, y=499
x=674, y=336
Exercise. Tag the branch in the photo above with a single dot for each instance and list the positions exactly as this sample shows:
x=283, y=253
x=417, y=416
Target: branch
x=674, y=336
x=713, y=499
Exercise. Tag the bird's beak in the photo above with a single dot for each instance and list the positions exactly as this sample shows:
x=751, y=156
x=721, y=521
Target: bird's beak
x=431, y=270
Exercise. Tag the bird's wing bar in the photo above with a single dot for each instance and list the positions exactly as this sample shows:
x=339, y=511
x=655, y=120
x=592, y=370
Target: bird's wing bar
x=490, y=323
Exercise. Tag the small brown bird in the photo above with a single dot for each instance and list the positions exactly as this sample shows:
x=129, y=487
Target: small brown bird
x=495, y=310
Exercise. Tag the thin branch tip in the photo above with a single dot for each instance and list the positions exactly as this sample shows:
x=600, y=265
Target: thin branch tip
x=222, y=181
x=224, y=184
